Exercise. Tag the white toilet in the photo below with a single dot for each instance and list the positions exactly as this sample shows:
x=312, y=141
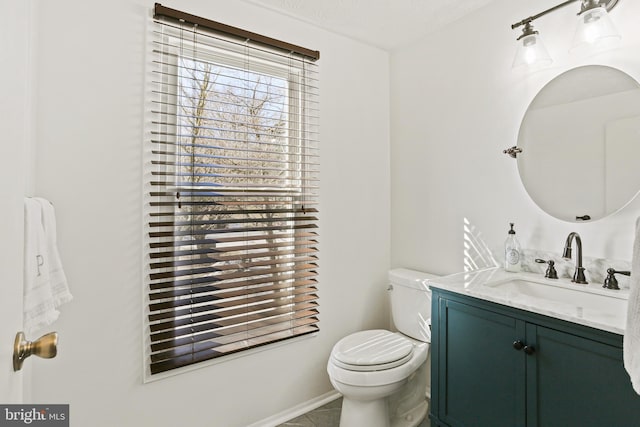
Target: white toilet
x=384, y=376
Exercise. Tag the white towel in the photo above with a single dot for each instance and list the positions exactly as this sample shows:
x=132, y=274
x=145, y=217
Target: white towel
x=59, y=286
x=39, y=308
x=632, y=330
x=45, y=284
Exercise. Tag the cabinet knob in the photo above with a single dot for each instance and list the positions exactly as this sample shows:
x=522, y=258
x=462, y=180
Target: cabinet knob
x=529, y=349
x=518, y=345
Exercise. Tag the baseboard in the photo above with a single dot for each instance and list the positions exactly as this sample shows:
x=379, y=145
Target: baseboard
x=297, y=410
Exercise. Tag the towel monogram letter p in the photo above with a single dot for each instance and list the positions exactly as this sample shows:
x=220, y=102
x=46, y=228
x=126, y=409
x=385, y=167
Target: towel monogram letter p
x=40, y=262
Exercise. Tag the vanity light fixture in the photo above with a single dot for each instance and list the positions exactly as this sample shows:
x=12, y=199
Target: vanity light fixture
x=531, y=49
x=594, y=25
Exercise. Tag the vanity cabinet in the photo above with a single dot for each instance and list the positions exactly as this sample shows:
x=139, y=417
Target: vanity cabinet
x=497, y=366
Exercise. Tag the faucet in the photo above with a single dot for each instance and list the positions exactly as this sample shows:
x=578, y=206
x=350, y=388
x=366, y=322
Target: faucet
x=578, y=276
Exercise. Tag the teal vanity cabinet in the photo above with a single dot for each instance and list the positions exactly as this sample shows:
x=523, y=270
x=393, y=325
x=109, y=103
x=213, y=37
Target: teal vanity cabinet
x=497, y=366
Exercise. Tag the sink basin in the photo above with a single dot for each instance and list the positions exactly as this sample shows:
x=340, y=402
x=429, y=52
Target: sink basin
x=578, y=296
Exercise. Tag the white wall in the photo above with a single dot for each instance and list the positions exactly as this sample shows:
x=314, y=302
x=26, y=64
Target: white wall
x=455, y=105
x=89, y=130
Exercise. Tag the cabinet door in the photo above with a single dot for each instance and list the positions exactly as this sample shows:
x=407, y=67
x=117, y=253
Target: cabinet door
x=480, y=373
x=576, y=382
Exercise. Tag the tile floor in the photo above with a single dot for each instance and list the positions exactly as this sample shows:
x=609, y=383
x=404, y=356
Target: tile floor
x=326, y=416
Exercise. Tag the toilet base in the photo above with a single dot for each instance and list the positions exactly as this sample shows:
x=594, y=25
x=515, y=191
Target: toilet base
x=402, y=404
x=375, y=413
x=412, y=418
x=410, y=405
x=372, y=413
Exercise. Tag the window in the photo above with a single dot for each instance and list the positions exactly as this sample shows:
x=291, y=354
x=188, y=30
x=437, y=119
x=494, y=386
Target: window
x=231, y=195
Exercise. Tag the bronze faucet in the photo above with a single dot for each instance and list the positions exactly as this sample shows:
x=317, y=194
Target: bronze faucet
x=578, y=276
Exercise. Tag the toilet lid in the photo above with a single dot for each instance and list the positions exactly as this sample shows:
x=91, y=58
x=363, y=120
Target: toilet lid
x=372, y=350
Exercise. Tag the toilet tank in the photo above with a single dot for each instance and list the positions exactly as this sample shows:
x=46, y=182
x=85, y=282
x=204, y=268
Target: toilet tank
x=410, y=298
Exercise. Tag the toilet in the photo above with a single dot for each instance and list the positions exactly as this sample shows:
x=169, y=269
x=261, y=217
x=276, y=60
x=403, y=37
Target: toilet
x=383, y=376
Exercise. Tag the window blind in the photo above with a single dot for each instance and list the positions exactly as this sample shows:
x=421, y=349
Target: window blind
x=231, y=195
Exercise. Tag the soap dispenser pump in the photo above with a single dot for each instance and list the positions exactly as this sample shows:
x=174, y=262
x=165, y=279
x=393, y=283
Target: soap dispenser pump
x=512, y=252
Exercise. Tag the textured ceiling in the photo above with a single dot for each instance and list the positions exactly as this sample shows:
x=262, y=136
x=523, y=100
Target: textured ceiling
x=387, y=24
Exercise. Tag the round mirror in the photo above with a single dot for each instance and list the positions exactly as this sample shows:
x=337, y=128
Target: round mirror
x=580, y=142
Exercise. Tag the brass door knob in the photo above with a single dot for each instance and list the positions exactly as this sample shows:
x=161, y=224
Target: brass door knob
x=46, y=347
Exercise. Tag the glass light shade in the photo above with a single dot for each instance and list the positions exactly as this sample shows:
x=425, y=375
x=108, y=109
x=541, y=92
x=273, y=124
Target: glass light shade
x=531, y=52
x=594, y=25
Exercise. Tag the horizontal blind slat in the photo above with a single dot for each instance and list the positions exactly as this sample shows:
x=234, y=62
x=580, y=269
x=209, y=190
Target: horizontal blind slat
x=220, y=300
x=245, y=256
x=163, y=315
x=212, y=340
x=220, y=276
x=266, y=158
x=278, y=236
x=292, y=210
x=239, y=339
x=208, y=340
x=203, y=356
x=294, y=142
x=245, y=268
x=281, y=243
x=181, y=333
x=182, y=292
x=207, y=303
x=243, y=261
x=177, y=233
x=231, y=221
x=209, y=279
x=244, y=167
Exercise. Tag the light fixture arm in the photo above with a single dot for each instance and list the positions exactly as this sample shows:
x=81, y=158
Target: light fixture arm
x=538, y=15
x=586, y=5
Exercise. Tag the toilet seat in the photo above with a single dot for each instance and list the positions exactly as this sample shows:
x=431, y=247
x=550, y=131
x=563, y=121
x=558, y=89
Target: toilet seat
x=382, y=377
x=372, y=350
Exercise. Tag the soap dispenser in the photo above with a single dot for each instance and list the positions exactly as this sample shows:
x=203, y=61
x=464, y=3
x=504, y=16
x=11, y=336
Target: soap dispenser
x=512, y=252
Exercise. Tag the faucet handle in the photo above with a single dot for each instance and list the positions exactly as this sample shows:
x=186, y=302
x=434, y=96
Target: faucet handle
x=551, y=272
x=610, y=282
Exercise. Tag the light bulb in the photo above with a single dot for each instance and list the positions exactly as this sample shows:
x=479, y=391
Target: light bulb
x=531, y=51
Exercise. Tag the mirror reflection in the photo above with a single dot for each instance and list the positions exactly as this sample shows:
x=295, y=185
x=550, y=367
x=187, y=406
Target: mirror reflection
x=580, y=141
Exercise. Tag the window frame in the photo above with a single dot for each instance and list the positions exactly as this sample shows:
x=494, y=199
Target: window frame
x=295, y=78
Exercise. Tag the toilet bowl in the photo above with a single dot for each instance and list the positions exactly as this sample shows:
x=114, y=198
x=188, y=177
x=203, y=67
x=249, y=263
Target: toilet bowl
x=383, y=375
x=366, y=384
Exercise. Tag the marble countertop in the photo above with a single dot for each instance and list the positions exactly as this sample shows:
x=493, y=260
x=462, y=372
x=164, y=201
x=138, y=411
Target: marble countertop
x=594, y=306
